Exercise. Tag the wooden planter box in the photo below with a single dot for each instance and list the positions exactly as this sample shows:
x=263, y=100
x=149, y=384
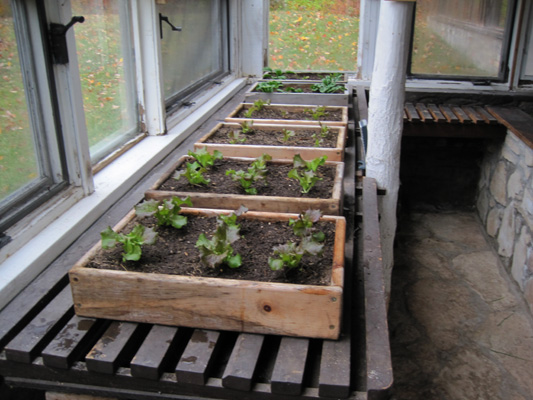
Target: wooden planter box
x=280, y=151
x=316, y=98
x=278, y=204
x=232, y=117
x=214, y=303
x=306, y=76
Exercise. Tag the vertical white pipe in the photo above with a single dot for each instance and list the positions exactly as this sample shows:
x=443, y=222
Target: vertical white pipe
x=385, y=116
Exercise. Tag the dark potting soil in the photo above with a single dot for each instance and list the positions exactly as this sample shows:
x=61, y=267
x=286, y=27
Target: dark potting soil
x=277, y=181
x=270, y=112
x=302, y=137
x=175, y=253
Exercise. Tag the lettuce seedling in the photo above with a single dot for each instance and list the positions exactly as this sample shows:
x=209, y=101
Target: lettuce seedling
x=290, y=254
x=194, y=173
x=235, y=137
x=256, y=172
x=287, y=135
x=204, y=158
x=308, y=177
x=247, y=127
x=131, y=242
x=269, y=87
x=270, y=73
x=312, y=165
x=329, y=84
x=166, y=212
x=219, y=249
x=317, y=113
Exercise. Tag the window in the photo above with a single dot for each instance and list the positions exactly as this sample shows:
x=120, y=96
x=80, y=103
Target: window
x=105, y=58
x=194, y=46
x=461, y=39
x=527, y=69
x=31, y=165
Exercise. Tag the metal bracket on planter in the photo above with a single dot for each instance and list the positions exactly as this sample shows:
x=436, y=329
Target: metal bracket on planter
x=364, y=139
x=58, y=40
x=164, y=18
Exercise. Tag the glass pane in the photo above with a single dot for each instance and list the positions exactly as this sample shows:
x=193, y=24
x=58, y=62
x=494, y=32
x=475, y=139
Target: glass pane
x=106, y=72
x=313, y=35
x=19, y=164
x=527, y=72
x=459, y=38
x=195, y=52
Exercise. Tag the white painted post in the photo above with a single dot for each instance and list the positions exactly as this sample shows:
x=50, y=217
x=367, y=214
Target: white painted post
x=385, y=116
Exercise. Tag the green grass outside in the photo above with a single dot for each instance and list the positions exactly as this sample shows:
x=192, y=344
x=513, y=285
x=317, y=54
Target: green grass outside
x=312, y=41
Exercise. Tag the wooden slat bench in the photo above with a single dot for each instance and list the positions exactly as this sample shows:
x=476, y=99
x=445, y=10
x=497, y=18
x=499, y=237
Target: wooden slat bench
x=44, y=346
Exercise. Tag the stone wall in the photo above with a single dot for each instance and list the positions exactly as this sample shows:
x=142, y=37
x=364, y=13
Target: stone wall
x=505, y=205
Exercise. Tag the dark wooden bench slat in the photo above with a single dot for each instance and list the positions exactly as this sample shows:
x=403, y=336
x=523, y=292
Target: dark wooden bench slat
x=473, y=114
x=25, y=346
x=448, y=114
x=334, y=379
x=463, y=118
x=243, y=360
x=424, y=113
x=438, y=116
x=68, y=344
x=151, y=356
x=488, y=117
x=197, y=358
x=288, y=374
x=412, y=114
x=109, y=352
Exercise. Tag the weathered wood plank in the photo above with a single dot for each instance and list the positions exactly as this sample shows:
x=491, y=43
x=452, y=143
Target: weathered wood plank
x=463, y=117
x=424, y=113
x=288, y=375
x=197, y=359
x=412, y=114
x=438, y=116
x=27, y=344
x=473, y=114
x=243, y=360
x=448, y=114
x=150, y=359
x=488, y=117
x=68, y=344
x=362, y=103
x=109, y=352
x=517, y=121
x=334, y=379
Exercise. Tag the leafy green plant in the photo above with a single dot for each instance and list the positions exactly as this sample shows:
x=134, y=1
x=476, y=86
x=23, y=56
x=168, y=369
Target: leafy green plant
x=269, y=87
x=219, y=249
x=131, y=242
x=317, y=113
x=329, y=84
x=270, y=73
x=166, y=212
x=236, y=137
x=204, y=158
x=287, y=135
x=308, y=177
x=255, y=173
x=194, y=173
x=247, y=127
x=291, y=89
x=257, y=105
x=321, y=135
x=290, y=254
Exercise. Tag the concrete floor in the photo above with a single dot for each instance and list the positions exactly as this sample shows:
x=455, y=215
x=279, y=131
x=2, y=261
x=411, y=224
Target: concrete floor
x=459, y=326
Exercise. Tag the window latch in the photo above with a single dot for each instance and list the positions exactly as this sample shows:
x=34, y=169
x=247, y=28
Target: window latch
x=164, y=18
x=58, y=40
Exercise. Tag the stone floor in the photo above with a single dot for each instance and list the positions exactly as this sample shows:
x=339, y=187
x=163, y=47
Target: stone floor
x=459, y=326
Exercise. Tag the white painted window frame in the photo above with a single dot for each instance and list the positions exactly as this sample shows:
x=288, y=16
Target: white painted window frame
x=51, y=229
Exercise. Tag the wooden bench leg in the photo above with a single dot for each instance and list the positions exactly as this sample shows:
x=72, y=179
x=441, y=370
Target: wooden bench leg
x=72, y=396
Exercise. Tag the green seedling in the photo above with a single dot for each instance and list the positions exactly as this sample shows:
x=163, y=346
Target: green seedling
x=308, y=177
x=290, y=254
x=219, y=249
x=131, y=242
x=329, y=84
x=290, y=89
x=259, y=104
x=204, y=158
x=317, y=113
x=321, y=135
x=269, y=87
x=287, y=135
x=235, y=137
x=312, y=165
x=270, y=73
x=247, y=127
x=194, y=173
x=166, y=212
x=256, y=173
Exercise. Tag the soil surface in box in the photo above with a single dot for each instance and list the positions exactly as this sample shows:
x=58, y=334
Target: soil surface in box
x=175, y=253
x=277, y=181
x=301, y=138
x=269, y=112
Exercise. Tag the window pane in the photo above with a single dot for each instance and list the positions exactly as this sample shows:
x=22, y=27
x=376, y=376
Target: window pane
x=313, y=35
x=19, y=164
x=195, y=53
x=106, y=72
x=460, y=38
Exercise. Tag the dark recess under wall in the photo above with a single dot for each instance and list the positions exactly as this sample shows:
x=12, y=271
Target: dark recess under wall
x=440, y=173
